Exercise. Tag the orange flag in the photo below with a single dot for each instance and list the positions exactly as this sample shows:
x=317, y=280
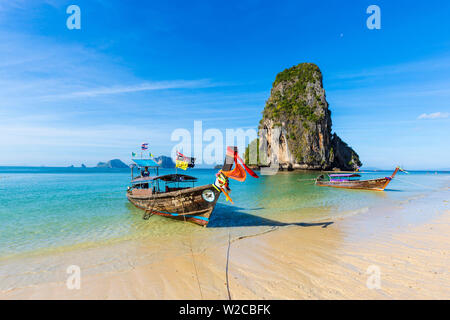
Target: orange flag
x=238, y=173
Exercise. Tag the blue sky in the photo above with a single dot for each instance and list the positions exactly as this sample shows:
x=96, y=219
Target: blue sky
x=138, y=70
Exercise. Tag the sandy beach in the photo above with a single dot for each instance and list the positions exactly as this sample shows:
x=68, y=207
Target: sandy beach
x=408, y=245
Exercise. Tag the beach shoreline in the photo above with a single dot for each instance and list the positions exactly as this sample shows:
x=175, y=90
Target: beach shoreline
x=407, y=244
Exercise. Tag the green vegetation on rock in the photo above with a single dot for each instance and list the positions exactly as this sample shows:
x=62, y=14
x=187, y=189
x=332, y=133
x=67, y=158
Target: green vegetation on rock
x=304, y=72
x=292, y=92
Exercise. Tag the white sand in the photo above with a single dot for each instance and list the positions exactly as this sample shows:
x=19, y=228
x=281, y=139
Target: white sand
x=293, y=262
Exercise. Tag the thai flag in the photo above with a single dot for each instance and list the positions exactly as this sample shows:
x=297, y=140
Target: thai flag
x=144, y=146
x=180, y=156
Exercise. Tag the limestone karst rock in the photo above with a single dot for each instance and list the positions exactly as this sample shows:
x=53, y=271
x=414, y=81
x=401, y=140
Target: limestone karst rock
x=297, y=116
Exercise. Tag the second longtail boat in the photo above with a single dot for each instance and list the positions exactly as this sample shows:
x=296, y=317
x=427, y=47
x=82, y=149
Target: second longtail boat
x=351, y=181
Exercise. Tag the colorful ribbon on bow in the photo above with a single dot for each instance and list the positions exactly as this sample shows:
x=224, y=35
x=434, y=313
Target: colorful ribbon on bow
x=239, y=173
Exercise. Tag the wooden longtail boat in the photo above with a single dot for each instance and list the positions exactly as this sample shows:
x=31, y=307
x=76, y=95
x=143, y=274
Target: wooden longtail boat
x=191, y=204
x=176, y=199
x=348, y=181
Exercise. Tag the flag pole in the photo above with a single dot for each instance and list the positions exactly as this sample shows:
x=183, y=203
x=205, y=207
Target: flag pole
x=176, y=168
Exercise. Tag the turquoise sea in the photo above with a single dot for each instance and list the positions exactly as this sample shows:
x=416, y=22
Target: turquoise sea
x=45, y=210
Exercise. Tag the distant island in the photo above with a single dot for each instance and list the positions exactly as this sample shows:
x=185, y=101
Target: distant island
x=115, y=163
x=165, y=162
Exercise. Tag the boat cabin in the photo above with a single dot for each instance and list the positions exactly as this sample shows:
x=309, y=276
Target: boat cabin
x=149, y=182
x=339, y=177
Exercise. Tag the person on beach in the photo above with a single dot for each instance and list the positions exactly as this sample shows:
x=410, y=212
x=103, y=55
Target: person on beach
x=145, y=173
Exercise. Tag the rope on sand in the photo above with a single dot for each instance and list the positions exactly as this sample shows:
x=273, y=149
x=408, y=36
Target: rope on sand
x=195, y=267
x=256, y=234
x=193, y=259
x=228, y=259
x=228, y=253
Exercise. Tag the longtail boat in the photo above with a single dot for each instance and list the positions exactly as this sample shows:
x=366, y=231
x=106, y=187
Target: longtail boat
x=175, y=195
x=351, y=181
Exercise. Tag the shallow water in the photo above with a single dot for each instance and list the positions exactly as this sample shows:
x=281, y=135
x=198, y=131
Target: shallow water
x=45, y=210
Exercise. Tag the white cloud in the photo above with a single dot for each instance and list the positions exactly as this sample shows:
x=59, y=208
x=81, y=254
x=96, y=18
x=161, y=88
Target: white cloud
x=149, y=86
x=435, y=115
x=421, y=66
x=35, y=69
x=12, y=4
x=111, y=136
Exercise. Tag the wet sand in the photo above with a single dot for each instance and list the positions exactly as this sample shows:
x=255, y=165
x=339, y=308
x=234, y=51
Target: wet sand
x=409, y=244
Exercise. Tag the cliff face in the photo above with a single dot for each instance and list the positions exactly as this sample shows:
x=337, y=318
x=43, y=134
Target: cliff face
x=298, y=108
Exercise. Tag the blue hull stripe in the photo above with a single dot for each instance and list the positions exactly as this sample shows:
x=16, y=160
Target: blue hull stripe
x=189, y=216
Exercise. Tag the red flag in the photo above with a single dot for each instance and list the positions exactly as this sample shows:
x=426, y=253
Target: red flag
x=239, y=171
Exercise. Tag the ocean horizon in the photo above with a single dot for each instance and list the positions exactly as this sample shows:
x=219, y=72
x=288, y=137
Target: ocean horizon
x=11, y=168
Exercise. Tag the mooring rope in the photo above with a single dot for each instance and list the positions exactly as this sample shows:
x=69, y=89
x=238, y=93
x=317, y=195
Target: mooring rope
x=417, y=184
x=195, y=267
x=148, y=214
x=226, y=269
x=228, y=253
x=192, y=254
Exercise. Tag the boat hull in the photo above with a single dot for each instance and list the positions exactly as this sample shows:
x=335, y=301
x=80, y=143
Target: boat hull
x=186, y=204
x=374, y=184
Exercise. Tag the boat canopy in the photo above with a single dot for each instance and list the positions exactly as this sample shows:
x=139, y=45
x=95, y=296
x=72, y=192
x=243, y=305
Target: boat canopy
x=145, y=163
x=142, y=180
x=176, y=177
x=344, y=175
x=167, y=178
